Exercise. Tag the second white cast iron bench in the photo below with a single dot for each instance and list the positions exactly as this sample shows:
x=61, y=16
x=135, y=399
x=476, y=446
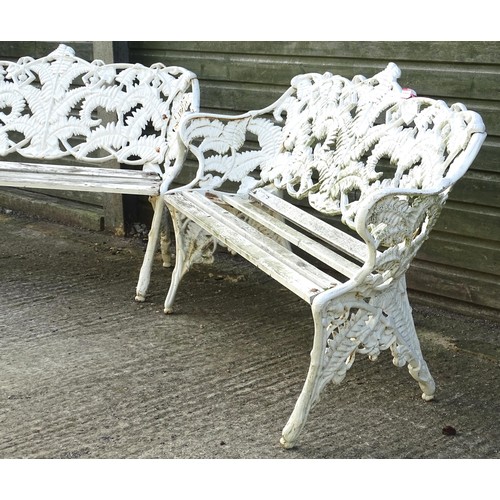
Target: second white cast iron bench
x=364, y=150
x=62, y=107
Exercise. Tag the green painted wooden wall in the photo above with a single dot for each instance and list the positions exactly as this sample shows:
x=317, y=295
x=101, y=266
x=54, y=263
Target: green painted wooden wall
x=458, y=267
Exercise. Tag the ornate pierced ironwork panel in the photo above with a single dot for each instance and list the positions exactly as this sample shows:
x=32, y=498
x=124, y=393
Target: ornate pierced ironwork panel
x=61, y=105
x=335, y=141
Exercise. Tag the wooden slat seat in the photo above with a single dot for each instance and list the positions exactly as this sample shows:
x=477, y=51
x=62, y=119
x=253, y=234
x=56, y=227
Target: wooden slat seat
x=320, y=229
x=299, y=239
x=274, y=259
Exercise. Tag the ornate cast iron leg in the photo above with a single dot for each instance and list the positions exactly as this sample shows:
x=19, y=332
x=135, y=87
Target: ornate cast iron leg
x=312, y=386
x=166, y=241
x=352, y=323
x=193, y=246
x=147, y=263
x=166, y=245
x=343, y=326
x=406, y=349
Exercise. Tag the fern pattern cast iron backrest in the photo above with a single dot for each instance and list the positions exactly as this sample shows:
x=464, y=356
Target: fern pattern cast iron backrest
x=62, y=105
x=335, y=141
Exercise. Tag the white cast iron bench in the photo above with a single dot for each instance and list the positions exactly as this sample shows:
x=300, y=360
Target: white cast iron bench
x=61, y=106
x=366, y=150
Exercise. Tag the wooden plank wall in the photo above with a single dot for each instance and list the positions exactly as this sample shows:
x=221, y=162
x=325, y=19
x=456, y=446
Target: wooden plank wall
x=458, y=266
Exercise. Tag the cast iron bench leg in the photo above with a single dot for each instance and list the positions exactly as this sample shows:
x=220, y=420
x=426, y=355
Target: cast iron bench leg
x=193, y=246
x=359, y=321
x=147, y=264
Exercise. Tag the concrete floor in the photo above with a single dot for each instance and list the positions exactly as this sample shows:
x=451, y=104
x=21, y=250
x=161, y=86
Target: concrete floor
x=88, y=373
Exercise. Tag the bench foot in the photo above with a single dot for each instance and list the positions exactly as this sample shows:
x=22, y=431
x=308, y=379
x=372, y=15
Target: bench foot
x=286, y=444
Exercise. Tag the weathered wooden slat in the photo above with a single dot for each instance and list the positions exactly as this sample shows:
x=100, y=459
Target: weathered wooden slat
x=300, y=240
x=318, y=228
x=60, y=177
x=80, y=183
x=42, y=168
x=281, y=264
x=83, y=184
x=297, y=264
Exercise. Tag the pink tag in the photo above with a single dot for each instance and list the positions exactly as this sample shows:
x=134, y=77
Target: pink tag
x=407, y=93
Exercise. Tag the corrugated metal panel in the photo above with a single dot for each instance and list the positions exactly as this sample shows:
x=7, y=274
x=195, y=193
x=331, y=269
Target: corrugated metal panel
x=458, y=266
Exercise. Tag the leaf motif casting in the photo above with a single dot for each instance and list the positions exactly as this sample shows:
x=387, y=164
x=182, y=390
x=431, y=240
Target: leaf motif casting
x=336, y=141
x=61, y=105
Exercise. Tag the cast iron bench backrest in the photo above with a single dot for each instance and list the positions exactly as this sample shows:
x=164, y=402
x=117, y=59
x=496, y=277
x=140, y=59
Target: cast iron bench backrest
x=61, y=105
x=365, y=149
